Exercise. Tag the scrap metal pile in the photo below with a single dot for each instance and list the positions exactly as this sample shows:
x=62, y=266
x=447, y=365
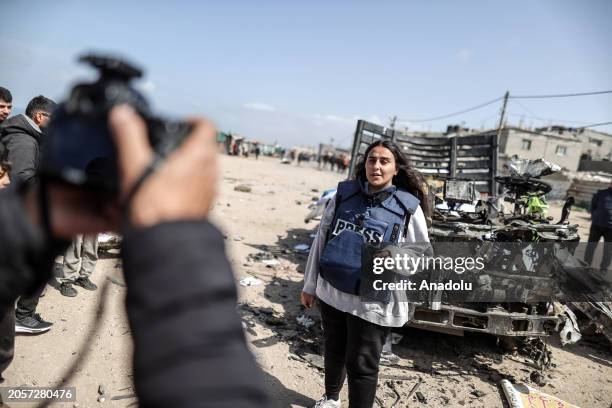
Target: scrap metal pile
x=460, y=217
x=457, y=218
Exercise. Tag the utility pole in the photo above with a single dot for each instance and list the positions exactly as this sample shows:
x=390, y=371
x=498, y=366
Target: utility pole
x=393, y=120
x=500, y=126
x=502, y=117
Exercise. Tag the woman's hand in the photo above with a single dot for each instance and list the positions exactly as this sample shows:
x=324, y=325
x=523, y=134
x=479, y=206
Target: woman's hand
x=307, y=300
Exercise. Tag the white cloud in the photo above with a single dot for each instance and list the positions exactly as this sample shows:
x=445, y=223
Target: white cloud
x=259, y=106
x=334, y=118
x=464, y=54
x=349, y=120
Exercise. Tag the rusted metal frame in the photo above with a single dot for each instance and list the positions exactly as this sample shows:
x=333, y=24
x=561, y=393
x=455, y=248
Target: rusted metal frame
x=498, y=323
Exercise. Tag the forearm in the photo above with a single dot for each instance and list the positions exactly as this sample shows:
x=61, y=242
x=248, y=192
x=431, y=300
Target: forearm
x=188, y=339
x=311, y=274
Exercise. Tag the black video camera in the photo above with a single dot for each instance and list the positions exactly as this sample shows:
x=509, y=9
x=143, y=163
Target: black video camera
x=78, y=147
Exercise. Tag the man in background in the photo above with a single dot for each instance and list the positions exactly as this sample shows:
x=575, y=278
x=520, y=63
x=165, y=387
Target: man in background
x=6, y=104
x=22, y=136
x=79, y=263
x=601, y=226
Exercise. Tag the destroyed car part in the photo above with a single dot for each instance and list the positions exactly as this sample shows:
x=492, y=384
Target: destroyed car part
x=494, y=321
x=472, y=157
x=570, y=333
x=531, y=168
x=600, y=315
x=515, y=230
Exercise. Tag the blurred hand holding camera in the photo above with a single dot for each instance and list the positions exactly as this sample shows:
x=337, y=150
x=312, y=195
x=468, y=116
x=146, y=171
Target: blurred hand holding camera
x=182, y=188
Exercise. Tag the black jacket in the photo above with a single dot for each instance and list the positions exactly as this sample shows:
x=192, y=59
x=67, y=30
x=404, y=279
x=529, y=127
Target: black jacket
x=189, y=347
x=22, y=142
x=601, y=208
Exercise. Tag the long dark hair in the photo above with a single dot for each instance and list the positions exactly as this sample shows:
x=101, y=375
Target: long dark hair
x=407, y=178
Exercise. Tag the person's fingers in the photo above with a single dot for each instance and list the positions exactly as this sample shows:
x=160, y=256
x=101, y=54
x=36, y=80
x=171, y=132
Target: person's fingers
x=134, y=152
x=307, y=300
x=202, y=139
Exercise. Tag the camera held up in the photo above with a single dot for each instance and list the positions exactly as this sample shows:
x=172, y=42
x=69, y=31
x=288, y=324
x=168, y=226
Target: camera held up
x=79, y=149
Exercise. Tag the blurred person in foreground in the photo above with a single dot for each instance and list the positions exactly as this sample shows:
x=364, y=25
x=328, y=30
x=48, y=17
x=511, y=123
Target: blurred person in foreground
x=189, y=347
x=7, y=315
x=22, y=135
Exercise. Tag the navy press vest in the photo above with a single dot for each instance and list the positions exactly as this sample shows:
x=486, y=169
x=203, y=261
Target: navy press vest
x=360, y=219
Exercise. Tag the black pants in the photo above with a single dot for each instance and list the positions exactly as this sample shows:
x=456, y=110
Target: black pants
x=7, y=336
x=595, y=234
x=26, y=305
x=352, y=346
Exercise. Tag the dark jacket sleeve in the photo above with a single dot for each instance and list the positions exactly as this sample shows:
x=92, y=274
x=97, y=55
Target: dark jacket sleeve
x=25, y=259
x=23, y=155
x=594, y=201
x=189, y=347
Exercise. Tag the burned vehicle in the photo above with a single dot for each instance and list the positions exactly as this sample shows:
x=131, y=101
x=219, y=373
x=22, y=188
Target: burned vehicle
x=473, y=204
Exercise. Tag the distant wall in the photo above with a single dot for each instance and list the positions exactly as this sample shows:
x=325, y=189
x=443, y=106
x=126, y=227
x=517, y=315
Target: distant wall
x=595, y=165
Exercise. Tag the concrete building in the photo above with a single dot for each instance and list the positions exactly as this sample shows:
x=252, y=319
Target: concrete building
x=574, y=149
x=596, y=145
x=562, y=148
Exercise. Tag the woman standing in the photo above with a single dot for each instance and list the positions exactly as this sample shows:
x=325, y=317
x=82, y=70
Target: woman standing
x=385, y=203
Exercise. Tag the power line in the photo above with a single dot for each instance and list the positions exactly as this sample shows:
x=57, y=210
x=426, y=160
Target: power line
x=538, y=117
x=548, y=120
x=595, y=125
x=473, y=108
x=482, y=105
x=559, y=95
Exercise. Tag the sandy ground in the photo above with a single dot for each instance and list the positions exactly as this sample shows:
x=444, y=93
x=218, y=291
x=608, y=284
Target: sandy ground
x=456, y=371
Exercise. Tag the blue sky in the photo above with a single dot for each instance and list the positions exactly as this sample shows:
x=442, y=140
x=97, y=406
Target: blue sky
x=303, y=72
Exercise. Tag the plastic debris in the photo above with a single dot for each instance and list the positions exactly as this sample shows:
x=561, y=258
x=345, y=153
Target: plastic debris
x=305, y=321
x=523, y=396
x=302, y=247
x=249, y=281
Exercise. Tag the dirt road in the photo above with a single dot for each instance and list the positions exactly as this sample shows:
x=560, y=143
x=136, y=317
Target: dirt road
x=456, y=371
